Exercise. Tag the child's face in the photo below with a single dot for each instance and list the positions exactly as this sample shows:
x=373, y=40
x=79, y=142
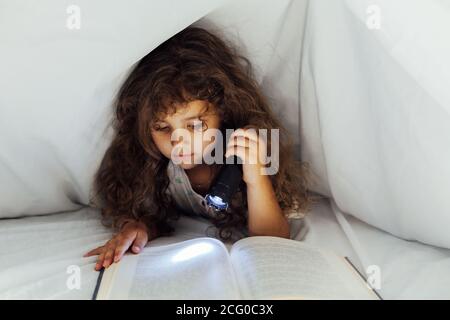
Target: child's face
x=193, y=117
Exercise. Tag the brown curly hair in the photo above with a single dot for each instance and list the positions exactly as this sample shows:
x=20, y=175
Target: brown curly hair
x=192, y=65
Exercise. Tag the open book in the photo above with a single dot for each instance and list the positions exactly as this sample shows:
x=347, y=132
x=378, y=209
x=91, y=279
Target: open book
x=259, y=267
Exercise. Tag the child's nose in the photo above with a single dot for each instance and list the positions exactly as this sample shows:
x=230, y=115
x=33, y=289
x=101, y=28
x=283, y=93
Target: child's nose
x=186, y=139
x=181, y=145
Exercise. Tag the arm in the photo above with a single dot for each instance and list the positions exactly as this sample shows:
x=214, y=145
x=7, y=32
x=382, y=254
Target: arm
x=265, y=215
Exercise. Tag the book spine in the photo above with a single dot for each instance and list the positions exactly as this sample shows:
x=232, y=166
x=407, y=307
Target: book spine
x=97, y=285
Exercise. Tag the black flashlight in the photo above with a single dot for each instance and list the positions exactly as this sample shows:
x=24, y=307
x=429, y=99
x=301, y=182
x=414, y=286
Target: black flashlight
x=225, y=185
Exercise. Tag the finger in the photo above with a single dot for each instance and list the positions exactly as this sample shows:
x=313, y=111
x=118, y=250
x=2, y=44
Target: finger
x=94, y=252
x=261, y=142
x=243, y=142
x=140, y=242
x=122, y=247
x=251, y=155
x=241, y=152
x=248, y=155
x=249, y=133
x=108, y=257
x=100, y=260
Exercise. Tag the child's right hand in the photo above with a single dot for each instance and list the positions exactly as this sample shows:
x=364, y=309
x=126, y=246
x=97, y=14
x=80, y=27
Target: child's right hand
x=134, y=235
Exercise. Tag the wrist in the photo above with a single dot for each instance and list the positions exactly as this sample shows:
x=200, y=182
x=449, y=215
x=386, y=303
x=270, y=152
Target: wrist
x=150, y=228
x=131, y=221
x=258, y=181
x=123, y=222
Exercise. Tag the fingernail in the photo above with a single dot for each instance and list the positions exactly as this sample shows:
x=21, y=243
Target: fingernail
x=137, y=249
x=116, y=258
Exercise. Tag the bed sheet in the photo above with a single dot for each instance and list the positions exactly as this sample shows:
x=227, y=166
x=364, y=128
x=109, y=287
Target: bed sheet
x=38, y=254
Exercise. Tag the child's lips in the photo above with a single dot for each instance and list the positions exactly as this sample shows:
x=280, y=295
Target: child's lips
x=185, y=156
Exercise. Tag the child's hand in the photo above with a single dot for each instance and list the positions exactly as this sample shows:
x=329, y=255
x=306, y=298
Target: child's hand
x=246, y=144
x=133, y=234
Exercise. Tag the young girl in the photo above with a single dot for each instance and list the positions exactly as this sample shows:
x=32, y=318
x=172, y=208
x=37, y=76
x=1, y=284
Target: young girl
x=192, y=81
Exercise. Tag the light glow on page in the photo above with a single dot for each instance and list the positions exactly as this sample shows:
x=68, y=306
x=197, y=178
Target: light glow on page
x=192, y=251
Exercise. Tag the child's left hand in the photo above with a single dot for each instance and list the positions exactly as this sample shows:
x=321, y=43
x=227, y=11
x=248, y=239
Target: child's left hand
x=246, y=144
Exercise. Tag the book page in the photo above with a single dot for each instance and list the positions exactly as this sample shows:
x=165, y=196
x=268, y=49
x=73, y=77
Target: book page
x=193, y=269
x=277, y=268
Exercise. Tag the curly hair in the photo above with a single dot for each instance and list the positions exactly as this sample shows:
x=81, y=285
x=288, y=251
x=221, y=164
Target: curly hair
x=194, y=64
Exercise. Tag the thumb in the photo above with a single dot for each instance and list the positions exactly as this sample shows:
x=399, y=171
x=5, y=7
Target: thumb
x=140, y=242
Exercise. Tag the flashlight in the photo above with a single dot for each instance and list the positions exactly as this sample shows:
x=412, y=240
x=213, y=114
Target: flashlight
x=224, y=186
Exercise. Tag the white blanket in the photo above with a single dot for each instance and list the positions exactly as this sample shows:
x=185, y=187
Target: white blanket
x=36, y=253
x=375, y=112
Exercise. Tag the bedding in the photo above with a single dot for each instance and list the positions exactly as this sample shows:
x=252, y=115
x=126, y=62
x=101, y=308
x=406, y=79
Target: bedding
x=373, y=124
x=375, y=112
x=58, y=85
x=52, y=75
x=37, y=253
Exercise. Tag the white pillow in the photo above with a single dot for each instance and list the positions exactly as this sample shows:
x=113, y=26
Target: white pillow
x=376, y=112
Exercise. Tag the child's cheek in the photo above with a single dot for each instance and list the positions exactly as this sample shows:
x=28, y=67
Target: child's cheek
x=164, y=146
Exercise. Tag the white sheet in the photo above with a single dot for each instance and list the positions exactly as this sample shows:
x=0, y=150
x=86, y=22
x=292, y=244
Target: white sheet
x=375, y=112
x=58, y=84
x=57, y=88
x=374, y=126
x=408, y=269
x=35, y=253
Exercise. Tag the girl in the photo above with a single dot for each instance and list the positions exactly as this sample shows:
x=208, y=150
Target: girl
x=192, y=81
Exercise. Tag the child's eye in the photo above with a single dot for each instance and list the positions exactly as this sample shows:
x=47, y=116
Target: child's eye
x=162, y=129
x=197, y=126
